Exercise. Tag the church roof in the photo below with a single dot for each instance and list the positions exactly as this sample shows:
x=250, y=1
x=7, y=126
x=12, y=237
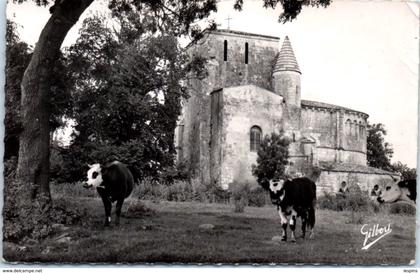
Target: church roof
x=286, y=60
x=352, y=168
x=317, y=104
x=242, y=33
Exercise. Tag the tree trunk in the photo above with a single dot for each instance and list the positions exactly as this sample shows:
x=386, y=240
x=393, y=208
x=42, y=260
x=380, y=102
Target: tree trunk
x=34, y=151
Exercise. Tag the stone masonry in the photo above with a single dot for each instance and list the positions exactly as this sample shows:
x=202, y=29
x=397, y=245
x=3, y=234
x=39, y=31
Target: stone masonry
x=252, y=85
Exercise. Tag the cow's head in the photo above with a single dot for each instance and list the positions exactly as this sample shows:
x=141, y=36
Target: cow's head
x=394, y=193
x=276, y=190
x=94, y=176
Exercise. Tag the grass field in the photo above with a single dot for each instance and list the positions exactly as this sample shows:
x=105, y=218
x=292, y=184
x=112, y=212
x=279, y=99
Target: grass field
x=171, y=234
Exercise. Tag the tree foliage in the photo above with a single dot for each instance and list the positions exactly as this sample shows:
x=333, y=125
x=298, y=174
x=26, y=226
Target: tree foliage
x=127, y=96
x=291, y=8
x=272, y=158
x=18, y=55
x=405, y=171
x=379, y=152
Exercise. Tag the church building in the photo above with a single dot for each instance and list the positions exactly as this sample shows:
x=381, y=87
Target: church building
x=253, y=88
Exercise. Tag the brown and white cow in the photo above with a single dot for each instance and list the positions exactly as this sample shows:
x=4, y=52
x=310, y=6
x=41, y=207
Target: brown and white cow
x=294, y=198
x=401, y=191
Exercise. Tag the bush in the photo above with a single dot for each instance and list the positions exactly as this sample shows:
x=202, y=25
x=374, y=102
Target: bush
x=71, y=189
x=352, y=201
x=213, y=193
x=240, y=193
x=247, y=194
x=402, y=208
x=171, y=174
x=181, y=191
x=150, y=190
x=272, y=158
x=258, y=197
x=32, y=218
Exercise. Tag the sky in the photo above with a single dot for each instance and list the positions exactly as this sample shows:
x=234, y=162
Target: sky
x=362, y=55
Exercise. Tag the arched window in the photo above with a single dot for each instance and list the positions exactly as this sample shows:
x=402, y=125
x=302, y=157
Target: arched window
x=360, y=130
x=356, y=129
x=246, y=53
x=255, y=138
x=347, y=127
x=225, y=48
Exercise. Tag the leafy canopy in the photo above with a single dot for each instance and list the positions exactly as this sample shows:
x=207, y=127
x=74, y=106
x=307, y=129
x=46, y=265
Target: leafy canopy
x=405, y=171
x=291, y=8
x=127, y=96
x=379, y=152
x=272, y=158
x=199, y=9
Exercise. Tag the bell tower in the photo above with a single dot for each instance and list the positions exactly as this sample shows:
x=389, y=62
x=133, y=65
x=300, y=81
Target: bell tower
x=286, y=83
x=286, y=75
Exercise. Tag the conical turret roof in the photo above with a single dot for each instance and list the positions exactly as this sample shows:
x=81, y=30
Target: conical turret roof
x=286, y=60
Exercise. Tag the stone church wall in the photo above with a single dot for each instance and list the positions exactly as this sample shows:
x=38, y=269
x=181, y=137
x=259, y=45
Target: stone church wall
x=234, y=71
x=331, y=181
x=354, y=130
x=320, y=125
x=336, y=142
x=216, y=133
x=244, y=107
x=192, y=135
x=355, y=157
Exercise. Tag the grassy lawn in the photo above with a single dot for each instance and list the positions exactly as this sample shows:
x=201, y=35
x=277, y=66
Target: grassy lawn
x=172, y=235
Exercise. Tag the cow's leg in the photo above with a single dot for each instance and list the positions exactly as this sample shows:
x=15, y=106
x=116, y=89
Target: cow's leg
x=283, y=221
x=293, y=224
x=311, y=222
x=304, y=217
x=284, y=232
x=118, y=210
x=107, y=205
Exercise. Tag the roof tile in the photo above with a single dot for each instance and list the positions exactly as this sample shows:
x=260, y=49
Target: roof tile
x=286, y=60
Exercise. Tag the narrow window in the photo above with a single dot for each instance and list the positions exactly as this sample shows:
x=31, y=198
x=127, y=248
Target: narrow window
x=356, y=129
x=347, y=127
x=225, y=51
x=255, y=138
x=246, y=53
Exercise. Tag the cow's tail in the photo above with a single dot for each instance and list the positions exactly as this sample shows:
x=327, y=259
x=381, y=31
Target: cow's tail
x=311, y=216
x=314, y=193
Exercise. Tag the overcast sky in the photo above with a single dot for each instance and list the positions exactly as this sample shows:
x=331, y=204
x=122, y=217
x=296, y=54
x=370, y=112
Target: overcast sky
x=358, y=54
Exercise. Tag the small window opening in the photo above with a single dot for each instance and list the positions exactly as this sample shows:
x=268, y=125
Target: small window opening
x=246, y=53
x=225, y=51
